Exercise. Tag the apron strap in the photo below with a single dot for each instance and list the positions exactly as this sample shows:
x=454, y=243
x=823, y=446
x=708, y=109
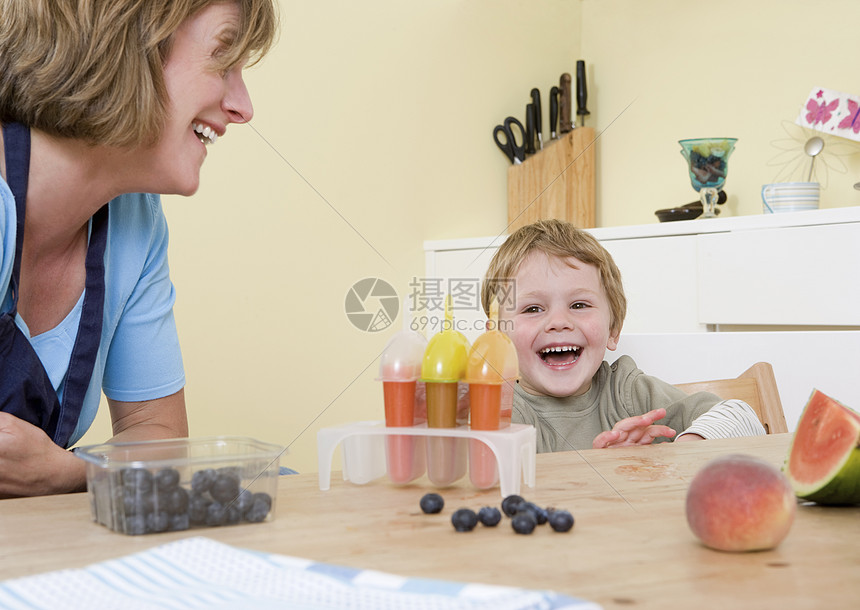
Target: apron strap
x=85, y=350
x=89, y=336
x=16, y=141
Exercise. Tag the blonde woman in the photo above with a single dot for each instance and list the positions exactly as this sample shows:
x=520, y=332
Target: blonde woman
x=104, y=106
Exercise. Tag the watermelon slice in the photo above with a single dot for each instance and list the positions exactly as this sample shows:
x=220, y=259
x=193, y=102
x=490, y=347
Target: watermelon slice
x=824, y=461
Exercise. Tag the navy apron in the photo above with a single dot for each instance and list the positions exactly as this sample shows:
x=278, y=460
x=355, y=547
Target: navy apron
x=25, y=389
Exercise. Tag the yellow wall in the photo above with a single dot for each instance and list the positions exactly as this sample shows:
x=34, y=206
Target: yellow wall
x=372, y=134
x=734, y=68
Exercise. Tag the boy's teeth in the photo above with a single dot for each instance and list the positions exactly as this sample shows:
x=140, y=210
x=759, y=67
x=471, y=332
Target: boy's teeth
x=564, y=348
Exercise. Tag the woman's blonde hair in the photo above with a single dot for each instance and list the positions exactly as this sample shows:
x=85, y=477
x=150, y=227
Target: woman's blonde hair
x=94, y=69
x=554, y=238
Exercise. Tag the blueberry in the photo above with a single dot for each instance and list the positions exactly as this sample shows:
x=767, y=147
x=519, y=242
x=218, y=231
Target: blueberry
x=489, y=516
x=244, y=500
x=432, y=503
x=135, y=525
x=509, y=504
x=539, y=513
x=175, y=501
x=464, y=520
x=260, y=507
x=560, y=520
x=137, y=479
x=202, y=480
x=157, y=521
x=524, y=522
x=216, y=514
x=133, y=503
x=179, y=522
x=198, y=508
x=166, y=479
x=234, y=515
x=225, y=488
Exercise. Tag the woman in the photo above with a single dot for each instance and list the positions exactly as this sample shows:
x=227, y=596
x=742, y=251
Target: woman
x=99, y=103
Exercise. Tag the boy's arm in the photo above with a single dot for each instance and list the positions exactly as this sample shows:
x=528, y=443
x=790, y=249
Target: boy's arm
x=726, y=419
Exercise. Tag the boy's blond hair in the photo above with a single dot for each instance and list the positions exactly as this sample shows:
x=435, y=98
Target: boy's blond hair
x=94, y=69
x=561, y=239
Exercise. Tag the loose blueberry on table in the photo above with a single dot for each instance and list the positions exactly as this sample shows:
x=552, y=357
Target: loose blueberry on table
x=489, y=516
x=431, y=503
x=524, y=522
x=560, y=520
x=464, y=520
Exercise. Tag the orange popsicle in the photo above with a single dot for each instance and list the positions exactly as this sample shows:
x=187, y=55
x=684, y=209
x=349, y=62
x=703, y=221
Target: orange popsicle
x=399, y=370
x=491, y=371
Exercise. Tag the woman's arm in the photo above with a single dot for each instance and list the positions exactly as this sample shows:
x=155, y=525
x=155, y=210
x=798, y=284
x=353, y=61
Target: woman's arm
x=149, y=419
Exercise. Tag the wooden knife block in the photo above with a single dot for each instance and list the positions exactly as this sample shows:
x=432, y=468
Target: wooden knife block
x=556, y=182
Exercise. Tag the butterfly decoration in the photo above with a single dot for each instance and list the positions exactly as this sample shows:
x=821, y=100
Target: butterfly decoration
x=820, y=113
x=852, y=119
x=831, y=112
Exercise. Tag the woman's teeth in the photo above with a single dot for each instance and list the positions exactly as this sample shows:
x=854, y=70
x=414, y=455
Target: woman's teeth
x=206, y=134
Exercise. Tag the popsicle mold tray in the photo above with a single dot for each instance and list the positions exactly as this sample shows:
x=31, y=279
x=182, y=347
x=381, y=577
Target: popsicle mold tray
x=371, y=450
x=176, y=484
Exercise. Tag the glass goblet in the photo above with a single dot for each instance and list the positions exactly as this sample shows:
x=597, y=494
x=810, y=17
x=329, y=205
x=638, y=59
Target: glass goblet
x=708, y=164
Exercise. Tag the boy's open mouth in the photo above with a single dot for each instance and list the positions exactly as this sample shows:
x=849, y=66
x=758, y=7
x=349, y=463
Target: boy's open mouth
x=558, y=355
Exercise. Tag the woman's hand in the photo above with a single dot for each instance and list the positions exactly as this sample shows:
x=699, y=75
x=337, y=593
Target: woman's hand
x=32, y=465
x=638, y=430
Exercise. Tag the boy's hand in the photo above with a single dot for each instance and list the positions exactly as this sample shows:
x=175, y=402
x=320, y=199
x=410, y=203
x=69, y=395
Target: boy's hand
x=639, y=430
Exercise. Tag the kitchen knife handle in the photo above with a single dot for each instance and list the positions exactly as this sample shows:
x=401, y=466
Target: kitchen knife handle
x=564, y=104
x=553, y=112
x=530, y=129
x=538, y=111
x=581, y=92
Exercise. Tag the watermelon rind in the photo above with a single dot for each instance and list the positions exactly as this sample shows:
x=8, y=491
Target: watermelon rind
x=810, y=447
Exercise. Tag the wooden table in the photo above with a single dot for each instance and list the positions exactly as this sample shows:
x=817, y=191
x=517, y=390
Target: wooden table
x=630, y=547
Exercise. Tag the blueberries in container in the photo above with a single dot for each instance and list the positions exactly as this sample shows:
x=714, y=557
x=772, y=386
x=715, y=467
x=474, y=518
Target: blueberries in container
x=202, y=480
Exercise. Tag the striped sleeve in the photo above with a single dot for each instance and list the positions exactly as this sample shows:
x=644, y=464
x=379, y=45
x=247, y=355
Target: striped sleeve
x=727, y=419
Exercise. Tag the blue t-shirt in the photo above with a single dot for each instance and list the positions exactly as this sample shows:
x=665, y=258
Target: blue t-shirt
x=139, y=356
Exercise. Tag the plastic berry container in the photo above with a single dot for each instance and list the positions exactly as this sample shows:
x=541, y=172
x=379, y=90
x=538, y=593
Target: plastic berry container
x=178, y=484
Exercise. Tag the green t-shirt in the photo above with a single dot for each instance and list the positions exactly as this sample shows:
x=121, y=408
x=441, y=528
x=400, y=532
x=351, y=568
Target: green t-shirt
x=618, y=390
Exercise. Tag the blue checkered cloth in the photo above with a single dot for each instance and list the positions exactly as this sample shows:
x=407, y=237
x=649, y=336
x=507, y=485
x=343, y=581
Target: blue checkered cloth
x=202, y=573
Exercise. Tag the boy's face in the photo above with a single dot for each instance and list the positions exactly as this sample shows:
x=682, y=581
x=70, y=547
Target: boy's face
x=559, y=324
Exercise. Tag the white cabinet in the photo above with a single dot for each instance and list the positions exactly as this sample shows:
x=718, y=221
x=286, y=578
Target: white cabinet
x=791, y=276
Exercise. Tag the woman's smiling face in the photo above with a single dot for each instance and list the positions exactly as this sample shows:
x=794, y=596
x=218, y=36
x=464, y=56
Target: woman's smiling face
x=559, y=324
x=203, y=100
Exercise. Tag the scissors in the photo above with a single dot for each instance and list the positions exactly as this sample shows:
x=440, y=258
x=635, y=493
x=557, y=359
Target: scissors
x=515, y=152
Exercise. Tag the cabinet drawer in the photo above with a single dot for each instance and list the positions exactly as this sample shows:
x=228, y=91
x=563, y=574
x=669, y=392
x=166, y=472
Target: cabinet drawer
x=793, y=276
x=659, y=282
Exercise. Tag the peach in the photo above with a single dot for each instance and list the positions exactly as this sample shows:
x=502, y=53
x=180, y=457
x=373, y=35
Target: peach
x=740, y=503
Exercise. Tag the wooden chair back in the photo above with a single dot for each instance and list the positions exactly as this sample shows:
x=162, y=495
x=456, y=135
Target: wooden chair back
x=756, y=386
